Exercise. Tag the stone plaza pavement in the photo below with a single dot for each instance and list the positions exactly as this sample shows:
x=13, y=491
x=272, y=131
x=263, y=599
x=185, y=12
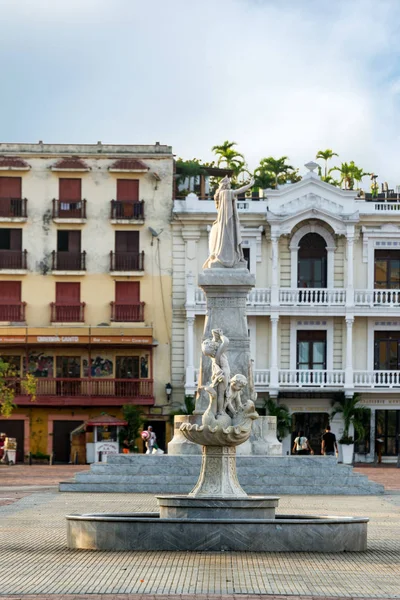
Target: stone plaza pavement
x=34, y=558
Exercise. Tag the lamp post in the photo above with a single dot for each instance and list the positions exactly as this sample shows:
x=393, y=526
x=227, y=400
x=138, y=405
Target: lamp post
x=168, y=391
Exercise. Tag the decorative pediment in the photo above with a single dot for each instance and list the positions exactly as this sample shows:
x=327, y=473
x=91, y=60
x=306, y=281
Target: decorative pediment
x=11, y=163
x=128, y=165
x=309, y=201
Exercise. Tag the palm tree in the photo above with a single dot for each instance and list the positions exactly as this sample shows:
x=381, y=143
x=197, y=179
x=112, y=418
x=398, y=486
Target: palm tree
x=346, y=175
x=277, y=166
x=227, y=154
x=263, y=179
x=326, y=155
x=352, y=414
x=358, y=173
x=283, y=417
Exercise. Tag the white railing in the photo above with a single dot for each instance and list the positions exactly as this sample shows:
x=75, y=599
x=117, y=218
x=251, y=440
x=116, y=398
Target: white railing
x=259, y=296
x=377, y=379
x=306, y=378
x=312, y=296
x=377, y=297
x=387, y=206
x=261, y=377
x=199, y=296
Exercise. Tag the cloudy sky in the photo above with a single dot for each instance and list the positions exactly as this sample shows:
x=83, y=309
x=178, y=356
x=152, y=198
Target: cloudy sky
x=277, y=76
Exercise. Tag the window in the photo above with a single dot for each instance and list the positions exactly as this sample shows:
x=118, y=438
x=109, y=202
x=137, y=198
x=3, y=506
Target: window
x=387, y=427
x=68, y=367
x=11, y=308
x=311, y=350
x=312, y=262
x=387, y=351
x=68, y=241
x=127, y=367
x=128, y=190
x=127, y=256
x=70, y=190
x=387, y=269
x=67, y=308
x=10, y=239
x=11, y=204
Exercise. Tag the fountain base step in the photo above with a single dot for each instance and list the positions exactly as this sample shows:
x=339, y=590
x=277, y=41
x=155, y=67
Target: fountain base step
x=148, y=532
x=187, y=507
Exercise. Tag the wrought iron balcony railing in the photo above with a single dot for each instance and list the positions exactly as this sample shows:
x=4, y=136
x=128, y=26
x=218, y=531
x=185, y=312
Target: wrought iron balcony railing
x=13, y=207
x=67, y=313
x=126, y=261
x=12, y=312
x=127, y=210
x=13, y=259
x=128, y=313
x=69, y=209
x=68, y=261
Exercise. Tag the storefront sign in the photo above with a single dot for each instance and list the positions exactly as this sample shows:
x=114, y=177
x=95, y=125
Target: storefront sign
x=12, y=339
x=121, y=339
x=58, y=339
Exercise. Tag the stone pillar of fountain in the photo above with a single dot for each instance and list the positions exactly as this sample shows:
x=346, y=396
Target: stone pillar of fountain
x=226, y=293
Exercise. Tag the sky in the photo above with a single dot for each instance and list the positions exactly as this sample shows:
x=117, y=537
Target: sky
x=279, y=77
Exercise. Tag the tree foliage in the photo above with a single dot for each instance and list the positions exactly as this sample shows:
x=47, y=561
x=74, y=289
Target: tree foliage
x=275, y=171
x=129, y=434
x=283, y=417
x=326, y=155
x=230, y=158
x=352, y=414
x=8, y=382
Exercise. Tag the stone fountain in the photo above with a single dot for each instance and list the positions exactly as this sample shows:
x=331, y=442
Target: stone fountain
x=218, y=515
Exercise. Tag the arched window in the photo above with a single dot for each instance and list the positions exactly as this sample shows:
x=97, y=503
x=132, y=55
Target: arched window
x=312, y=262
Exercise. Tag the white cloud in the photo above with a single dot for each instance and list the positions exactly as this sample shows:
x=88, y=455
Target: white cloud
x=279, y=77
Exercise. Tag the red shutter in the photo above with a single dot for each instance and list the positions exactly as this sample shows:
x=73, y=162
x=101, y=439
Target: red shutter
x=10, y=187
x=127, y=241
x=127, y=292
x=10, y=292
x=70, y=189
x=128, y=190
x=68, y=293
x=74, y=241
x=15, y=239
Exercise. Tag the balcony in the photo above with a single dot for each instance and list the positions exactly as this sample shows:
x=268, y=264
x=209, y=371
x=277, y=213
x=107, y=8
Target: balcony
x=68, y=261
x=69, y=209
x=124, y=210
x=126, y=261
x=127, y=313
x=11, y=260
x=67, y=313
x=312, y=297
x=86, y=392
x=13, y=208
x=299, y=378
x=376, y=379
x=374, y=298
x=13, y=312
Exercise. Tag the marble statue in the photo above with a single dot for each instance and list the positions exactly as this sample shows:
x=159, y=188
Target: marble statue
x=225, y=238
x=228, y=418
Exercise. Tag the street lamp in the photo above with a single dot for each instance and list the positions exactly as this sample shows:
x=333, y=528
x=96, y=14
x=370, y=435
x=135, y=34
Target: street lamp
x=168, y=391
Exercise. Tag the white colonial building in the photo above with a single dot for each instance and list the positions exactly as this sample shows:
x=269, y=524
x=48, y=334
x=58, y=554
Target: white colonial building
x=324, y=316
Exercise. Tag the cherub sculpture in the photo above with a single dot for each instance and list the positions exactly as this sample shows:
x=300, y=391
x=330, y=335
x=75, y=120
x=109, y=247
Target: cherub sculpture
x=215, y=348
x=233, y=404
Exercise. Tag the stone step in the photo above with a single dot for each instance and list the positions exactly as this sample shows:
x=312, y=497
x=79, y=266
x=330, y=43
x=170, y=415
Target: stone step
x=279, y=490
x=244, y=478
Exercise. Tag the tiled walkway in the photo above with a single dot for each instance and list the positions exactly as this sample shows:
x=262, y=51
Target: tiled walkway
x=34, y=558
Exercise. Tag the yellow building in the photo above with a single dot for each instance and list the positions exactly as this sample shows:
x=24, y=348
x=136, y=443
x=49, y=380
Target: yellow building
x=85, y=285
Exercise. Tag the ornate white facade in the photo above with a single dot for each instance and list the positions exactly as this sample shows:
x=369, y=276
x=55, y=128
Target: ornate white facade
x=348, y=310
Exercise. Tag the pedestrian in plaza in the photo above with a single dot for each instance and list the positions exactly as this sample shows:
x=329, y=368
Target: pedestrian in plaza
x=329, y=445
x=302, y=445
x=150, y=440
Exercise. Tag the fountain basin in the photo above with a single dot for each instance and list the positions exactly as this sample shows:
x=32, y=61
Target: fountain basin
x=285, y=533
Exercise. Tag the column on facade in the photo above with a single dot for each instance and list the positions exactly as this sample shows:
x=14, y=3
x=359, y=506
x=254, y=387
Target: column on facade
x=274, y=369
x=349, y=384
x=190, y=383
x=275, y=269
x=350, y=266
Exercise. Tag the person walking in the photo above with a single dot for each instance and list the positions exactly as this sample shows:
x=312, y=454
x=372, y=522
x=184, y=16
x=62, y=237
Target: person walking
x=329, y=445
x=302, y=445
x=151, y=441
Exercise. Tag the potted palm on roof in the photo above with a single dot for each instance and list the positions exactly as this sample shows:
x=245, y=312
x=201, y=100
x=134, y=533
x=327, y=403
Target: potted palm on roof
x=353, y=414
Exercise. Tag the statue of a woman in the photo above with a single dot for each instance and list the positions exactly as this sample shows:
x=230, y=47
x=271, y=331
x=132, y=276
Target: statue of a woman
x=225, y=239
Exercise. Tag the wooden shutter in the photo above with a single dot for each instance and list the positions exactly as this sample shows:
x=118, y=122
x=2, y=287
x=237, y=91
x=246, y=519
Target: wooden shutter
x=127, y=292
x=68, y=293
x=70, y=189
x=128, y=190
x=127, y=241
x=15, y=239
x=10, y=292
x=74, y=241
x=10, y=187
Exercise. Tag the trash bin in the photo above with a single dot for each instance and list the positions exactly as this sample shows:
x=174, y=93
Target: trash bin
x=10, y=451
